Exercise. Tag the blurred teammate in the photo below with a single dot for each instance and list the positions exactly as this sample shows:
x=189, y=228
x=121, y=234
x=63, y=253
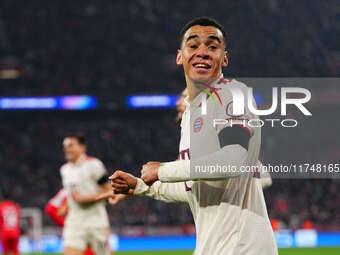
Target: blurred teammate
x=57, y=209
x=9, y=225
x=228, y=206
x=86, y=185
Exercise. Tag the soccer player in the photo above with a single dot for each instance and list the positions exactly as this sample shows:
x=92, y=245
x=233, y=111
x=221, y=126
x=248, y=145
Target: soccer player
x=228, y=206
x=9, y=225
x=85, y=181
x=57, y=209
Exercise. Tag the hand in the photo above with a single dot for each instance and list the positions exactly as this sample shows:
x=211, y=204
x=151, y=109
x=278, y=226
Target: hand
x=63, y=210
x=150, y=172
x=117, y=198
x=122, y=182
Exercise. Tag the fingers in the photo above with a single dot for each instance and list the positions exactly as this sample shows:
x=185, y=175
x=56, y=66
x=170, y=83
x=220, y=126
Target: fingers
x=117, y=198
x=120, y=181
x=116, y=185
x=152, y=162
x=149, y=173
x=119, y=188
x=117, y=174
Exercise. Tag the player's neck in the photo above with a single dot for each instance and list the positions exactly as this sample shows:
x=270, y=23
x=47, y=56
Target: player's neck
x=78, y=159
x=193, y=87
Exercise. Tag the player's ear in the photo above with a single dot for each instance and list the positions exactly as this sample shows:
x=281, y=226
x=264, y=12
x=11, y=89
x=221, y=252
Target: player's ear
x=225, y=59
x=179, y=60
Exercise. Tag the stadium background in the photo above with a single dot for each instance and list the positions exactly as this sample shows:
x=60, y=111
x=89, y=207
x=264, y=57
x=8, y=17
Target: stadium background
x=112, y=49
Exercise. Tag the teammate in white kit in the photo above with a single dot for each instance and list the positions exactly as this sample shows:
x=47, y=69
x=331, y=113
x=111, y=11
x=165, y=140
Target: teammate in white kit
x=228, y=206
x=85, y=181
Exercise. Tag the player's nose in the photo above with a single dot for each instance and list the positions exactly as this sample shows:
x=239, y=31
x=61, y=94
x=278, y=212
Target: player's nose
x=203, y=52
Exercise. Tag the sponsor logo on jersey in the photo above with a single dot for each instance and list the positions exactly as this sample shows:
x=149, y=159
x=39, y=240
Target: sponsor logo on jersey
x=198, y=124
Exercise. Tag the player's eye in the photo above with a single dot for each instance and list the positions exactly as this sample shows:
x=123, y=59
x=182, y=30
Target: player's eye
x=212, y=47
x=193, y=46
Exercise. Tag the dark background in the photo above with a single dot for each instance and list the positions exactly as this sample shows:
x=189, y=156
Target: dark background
x=110, y=49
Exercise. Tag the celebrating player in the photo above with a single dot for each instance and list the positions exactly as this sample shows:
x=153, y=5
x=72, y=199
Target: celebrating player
x=85, y=182
x=228, y=206
x=9, y=225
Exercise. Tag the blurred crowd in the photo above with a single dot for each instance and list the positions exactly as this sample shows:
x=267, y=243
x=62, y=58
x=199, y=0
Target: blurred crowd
x=109, y=48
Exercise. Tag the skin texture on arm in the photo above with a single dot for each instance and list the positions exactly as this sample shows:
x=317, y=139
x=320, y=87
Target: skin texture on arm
x=104, y=193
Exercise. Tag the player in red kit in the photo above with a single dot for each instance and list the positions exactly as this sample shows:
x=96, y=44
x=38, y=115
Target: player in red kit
x=9, y=225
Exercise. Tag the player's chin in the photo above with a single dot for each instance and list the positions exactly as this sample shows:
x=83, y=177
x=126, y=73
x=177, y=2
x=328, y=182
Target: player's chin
x=68, y=157
x=202, y=77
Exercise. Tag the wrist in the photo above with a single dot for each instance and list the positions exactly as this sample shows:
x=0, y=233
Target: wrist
x=140, y=188
x=133, y=183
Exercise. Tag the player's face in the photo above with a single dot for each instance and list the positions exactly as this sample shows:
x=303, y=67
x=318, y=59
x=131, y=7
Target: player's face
x=202, y=54
x=73, y=149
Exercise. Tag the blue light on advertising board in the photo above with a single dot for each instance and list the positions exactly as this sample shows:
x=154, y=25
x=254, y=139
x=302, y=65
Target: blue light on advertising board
x=75, y=102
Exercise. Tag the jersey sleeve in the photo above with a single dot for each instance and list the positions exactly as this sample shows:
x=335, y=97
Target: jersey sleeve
x=62, y=175
x=98, y=170
x=166, y=192
x=233, y=114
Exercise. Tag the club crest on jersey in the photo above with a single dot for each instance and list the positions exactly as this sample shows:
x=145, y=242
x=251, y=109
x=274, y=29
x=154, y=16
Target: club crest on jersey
x=198, y=124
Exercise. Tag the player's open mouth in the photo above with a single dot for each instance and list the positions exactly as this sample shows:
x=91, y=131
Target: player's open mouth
x=201, y=65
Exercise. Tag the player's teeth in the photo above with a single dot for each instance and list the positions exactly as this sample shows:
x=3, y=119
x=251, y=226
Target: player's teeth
x=201, y=65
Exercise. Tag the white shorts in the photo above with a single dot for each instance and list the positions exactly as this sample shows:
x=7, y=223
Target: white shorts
x=80, y=238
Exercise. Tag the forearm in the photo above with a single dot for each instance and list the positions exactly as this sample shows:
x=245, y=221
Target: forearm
x=225, y=163
x=101, y=195
x=88, y=198
x=166, y=192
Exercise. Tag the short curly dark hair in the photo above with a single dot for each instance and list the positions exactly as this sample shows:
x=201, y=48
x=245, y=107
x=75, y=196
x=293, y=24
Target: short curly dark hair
x=81, y=138
x=202, y=21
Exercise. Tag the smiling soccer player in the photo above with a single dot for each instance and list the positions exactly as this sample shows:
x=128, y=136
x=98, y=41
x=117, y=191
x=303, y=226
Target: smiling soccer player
x=228, y=206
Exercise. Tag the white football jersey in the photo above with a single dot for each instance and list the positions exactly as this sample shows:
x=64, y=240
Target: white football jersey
x=229, y=209
x=83, y=177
